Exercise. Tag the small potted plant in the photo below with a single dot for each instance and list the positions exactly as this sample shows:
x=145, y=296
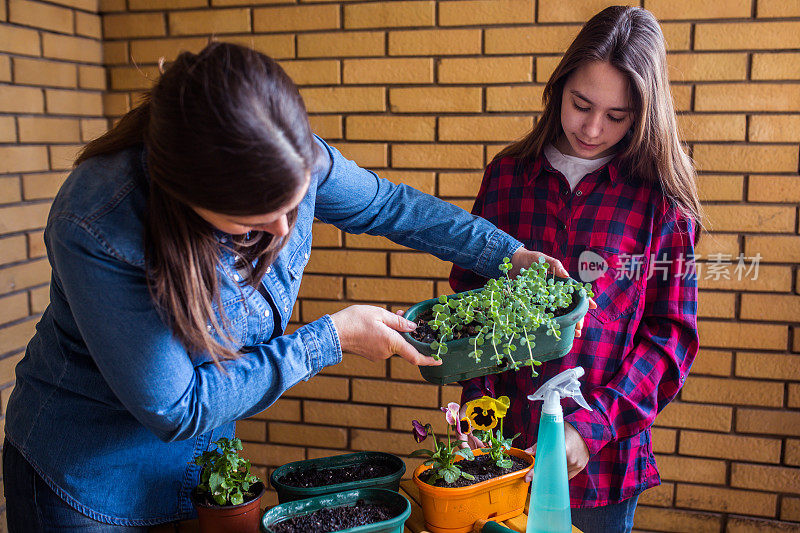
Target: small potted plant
x=314, y=477
x=507, y=324
x=228, y=496
x=459, y=486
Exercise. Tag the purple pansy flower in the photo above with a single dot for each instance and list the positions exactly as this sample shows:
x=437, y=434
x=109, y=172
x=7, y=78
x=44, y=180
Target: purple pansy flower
x=420, y=431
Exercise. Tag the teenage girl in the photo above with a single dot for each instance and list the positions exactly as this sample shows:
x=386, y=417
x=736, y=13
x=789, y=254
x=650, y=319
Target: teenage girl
x=603, y=180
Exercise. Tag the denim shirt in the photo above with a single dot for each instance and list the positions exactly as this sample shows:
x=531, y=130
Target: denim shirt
x=110, y=408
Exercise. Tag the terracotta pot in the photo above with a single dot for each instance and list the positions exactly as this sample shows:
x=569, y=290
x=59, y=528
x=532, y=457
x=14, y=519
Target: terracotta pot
x=242, y=518
x=455, y=510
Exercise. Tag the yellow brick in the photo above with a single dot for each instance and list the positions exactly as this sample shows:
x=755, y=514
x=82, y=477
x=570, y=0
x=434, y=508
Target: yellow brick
x=42, y=72
x=13, y=249
x=394, y=393
x=712, y=362
x=248, y=2
x=322, y=287
x=401, y=417
x=746, y=158
x=677, y=35
x=92, y=128
x=437, y=42
x=8, y=130
x=485, y=70
x=275, y=46
x=769, y=422
x=156, y=5
x=368, y=155
x=650, y=518
x=388, y=290
x=390, y=14
x=401, y=369
x=731, y=391
x=7, y=365
x=270, y=454
x=769, y=279
x=4, y=11
x=40, y=299
x=88, y=24
x=681, y=96
x=19, y=40
x=343, y=99
x=748, y=97
x=326, y=235
x=793, y=401
x=321, y=387
x=725, y=500
x=391, y=442
x=327, y=126
x=345, y=414
x=251, y=430
x=120, y=26
x=151, y=50
x=35, y=244
x=129, y=78
x=777, y=8
x=306, y=435
x=435, y=100
x=751, y=217
x=743, y=335
x=733, y=447
x=773, y=307
x=772, y=66
x=91, y=77
x=691, y=470
x=17, y=336
x=115, y=104
x=5, y=68
x=422, y=181
x=774, y=128
x=717, y=243
x=763, y=477
x=314, y=309
x=22, y=159
x=295, y=18
x=716, y=304
x=660, y=496
x=707, y=67
x=355, y=365
x=777, y=249
x=575, y=10
x=767, y=365
x=459, y=183
x=9, y=190
x=62, y=157
x=536, y=39
x=63, y=102
x=388, y=71
x=71, y=48
x=111, y=6
x=792, y=456
x=485, y=12
x=40, y=15
x=40, y=186
x=545, y=66
x=284, y=409
x=20, y=100
x=313, y=72
x=437, y=156
x=371, y=242
x=486, y=128
x=336, y=44
x=115, y=52
x=347, y=262
x=201, y=22
x=747, y=35
x=45, y=129
x=84, y=5
x=390, y=128
x=418, y=265
x=790, y=509
x=686, y=9
x=696, y=416
x=663, y=440
x=721, y=187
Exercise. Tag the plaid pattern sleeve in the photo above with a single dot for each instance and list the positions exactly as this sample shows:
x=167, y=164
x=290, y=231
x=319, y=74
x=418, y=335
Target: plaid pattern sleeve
x=637, y=346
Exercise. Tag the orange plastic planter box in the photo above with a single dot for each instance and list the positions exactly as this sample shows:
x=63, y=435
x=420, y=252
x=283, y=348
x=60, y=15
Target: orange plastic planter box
x=455, y=510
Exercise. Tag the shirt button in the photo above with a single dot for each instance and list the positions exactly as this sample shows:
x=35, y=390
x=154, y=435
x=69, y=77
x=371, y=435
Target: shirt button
x=579, y=193
x=266, y=312
x=561, y=225
x=564, y=191
x=285, y=308
x=208, y=327
x=237, y=277
x=269, y=269
x=223, y=240
x=305, y=256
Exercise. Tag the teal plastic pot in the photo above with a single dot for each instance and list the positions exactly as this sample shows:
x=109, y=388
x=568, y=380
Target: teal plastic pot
x=458, y=365
x=347, y=498
x=287, y=493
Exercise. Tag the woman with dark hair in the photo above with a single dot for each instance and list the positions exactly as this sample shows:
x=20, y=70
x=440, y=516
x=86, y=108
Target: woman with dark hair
x=177, y=248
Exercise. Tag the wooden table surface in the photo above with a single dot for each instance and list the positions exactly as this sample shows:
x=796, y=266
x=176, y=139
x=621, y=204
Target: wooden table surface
x=414, y=524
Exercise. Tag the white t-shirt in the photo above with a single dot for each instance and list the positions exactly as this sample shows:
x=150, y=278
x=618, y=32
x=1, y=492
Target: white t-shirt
x=573, y=168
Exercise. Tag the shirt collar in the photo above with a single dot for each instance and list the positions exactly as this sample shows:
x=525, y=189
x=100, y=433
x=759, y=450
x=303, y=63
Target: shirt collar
x=541, y=163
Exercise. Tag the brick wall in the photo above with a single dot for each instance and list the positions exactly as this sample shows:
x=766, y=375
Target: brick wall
x=426, y=92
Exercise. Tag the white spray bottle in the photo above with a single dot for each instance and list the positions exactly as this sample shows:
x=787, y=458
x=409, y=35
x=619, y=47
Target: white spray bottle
x=549, y=510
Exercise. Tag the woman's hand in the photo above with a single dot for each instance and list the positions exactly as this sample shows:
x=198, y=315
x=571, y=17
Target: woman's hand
x=372, y=333
x=577, y=452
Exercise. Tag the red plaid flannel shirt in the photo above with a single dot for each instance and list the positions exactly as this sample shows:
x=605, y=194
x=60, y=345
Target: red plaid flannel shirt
x=636, y=347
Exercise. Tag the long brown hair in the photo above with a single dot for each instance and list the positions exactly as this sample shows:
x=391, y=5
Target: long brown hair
x=630, y=39
x=224, y=130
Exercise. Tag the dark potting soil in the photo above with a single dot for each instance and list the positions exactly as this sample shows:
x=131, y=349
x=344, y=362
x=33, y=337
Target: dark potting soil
x=424, y=333
x=338, y=518
x=320, y=477
x=205, y=500
x=482, y=467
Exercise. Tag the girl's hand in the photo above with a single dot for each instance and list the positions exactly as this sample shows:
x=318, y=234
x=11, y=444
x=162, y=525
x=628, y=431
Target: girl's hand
x=577, y=452
x=372, y=333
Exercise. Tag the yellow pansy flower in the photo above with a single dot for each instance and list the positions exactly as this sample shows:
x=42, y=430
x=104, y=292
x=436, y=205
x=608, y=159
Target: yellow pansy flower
x=485, y=412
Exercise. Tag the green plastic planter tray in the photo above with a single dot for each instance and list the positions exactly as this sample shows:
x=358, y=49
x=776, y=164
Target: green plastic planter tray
x=287, y=493
x=346, y=498
x=458, y=365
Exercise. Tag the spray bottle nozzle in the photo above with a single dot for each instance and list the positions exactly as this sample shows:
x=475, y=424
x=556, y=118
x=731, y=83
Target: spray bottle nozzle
x=564, y=385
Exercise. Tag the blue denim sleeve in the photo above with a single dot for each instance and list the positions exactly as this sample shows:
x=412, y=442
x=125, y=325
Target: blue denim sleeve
x=146, y=367
x=358, y=201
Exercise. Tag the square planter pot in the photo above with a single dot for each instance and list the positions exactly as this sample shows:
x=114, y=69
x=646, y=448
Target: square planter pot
x=455, y=510
x=242, y=518
x=391, y=481
x=347, y=498
x=458, y=365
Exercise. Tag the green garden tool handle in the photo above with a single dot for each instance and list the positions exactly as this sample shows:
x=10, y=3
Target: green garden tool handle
x=487, y=526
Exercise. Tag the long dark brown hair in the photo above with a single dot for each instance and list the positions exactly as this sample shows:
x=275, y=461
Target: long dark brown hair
x=630, y=39
x=224, y=130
